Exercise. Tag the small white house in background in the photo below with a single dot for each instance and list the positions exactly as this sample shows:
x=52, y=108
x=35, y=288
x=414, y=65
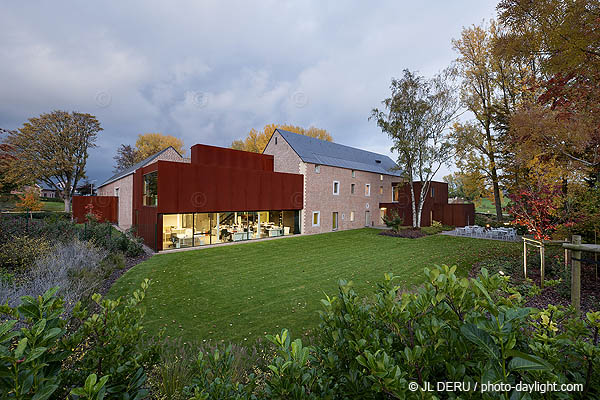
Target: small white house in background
x=37, y=188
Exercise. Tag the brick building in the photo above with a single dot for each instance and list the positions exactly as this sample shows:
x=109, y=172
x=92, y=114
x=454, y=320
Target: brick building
x=343, y=186
x=299, y=185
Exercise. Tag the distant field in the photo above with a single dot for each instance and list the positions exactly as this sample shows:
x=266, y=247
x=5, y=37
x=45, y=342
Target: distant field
x=488, y=207
x=8, y=203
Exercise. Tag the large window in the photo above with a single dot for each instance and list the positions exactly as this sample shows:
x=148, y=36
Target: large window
x=151, y=189
x=199, y=229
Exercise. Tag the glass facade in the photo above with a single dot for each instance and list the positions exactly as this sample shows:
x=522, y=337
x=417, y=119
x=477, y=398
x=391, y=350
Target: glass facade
x=199, y=229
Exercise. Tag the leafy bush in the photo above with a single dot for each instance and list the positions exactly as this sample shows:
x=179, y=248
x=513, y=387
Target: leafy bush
x=109, y=343
x=393, y=219
x=31, y=357
x=108, y=237
x=39, y=360
x=451, y=329
x=20, y=253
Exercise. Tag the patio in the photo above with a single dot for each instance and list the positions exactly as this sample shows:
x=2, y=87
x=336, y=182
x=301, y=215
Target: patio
x=480, y=232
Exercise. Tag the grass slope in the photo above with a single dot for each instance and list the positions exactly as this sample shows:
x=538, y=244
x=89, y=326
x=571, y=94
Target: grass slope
x=237, y=293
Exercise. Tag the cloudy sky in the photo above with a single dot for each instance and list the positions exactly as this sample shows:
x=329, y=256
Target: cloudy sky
x=209, y=71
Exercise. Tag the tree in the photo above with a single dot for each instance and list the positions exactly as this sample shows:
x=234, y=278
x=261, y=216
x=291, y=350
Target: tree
x=471, y=186
x=491, y=89
x=146, y=145
x=53, y=148
x=127, y=156
x=565, y=35
x=151, y=143
x=256, y=141
x=87, y=188
x=29, y=201
x=6, y=155
x=416, y=118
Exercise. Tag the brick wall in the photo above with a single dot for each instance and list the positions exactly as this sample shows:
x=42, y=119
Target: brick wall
x=286, y=159
x=319, y=197
x=318, y=191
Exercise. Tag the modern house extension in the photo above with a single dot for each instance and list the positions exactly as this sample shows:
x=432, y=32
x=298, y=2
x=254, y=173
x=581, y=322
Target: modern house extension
x=219, y=195
x=299, y=185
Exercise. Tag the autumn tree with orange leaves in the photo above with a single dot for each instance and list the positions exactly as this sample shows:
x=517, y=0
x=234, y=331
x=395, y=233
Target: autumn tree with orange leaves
x=256, y=141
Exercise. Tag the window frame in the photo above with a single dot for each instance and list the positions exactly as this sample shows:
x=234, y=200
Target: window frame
x=367, y=190
x=352, y=188
x=145, y=195
x=336, y=192
x=318, y=214
x=351, y=216
x=317, y=168
x=354, y=173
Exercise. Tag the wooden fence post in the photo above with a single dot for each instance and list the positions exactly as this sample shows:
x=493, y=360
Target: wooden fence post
x=576, y=275
x=566, y=257
x=524, y=258
x=542, y=269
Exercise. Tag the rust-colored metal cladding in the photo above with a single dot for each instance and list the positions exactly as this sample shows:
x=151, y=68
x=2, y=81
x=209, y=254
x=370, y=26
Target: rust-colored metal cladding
x=435, y=208
x=229, y=158
x=145, y=218
x=216, y=180
x=106, y=207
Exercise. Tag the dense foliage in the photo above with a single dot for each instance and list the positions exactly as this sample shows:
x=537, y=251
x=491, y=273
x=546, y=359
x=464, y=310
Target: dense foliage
x=39, y=358
x=451, y=329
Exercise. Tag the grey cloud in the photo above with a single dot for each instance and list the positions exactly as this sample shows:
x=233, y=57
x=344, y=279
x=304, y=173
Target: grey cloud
x=209, y=71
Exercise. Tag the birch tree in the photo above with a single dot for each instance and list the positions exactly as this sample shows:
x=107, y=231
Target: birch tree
x=53, y=148
x=416, y=117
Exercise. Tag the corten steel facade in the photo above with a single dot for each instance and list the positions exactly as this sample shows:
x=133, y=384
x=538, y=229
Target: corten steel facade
x=435, y=208
x=216, y=180
x=106, y=207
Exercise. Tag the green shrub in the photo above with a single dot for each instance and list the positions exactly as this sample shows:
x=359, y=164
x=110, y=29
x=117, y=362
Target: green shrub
x=21, y=252
x=31, y=357
x=39, y=360
x=109, y=343
x=451, y=329
x=393, y=220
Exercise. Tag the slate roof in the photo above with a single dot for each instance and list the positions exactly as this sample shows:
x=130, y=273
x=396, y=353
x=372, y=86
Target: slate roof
x=322, y=152
x=132, y=169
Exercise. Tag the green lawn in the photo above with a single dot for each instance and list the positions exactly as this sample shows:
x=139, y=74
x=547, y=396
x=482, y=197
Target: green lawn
x=487, y=206
x=8, y=203
x=240, y=292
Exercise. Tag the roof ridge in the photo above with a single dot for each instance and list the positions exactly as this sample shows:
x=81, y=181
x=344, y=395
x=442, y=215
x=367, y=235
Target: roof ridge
x=137, y=165
x=318, y=151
